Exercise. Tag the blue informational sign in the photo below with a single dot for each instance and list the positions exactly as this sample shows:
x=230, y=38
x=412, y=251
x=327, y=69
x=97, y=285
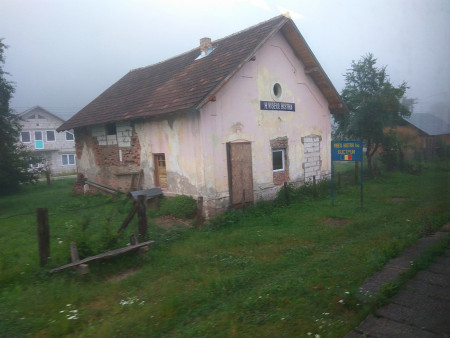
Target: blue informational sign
x=346, y=151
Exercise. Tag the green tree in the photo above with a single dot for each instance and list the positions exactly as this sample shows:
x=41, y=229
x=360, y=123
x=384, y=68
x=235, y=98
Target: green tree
x=15, y=159
x=374, y=104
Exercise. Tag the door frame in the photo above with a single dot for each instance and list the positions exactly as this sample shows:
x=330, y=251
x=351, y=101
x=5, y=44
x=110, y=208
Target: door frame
x=229, y=169
x=156, y=171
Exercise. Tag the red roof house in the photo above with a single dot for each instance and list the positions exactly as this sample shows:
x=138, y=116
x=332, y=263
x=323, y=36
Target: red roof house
x=230, y=120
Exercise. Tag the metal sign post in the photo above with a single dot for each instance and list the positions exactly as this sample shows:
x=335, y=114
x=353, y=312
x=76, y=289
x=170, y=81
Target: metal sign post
x=346, y=151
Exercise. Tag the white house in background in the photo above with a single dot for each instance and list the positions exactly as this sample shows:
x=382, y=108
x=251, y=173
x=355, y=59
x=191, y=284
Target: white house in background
x=39, y=135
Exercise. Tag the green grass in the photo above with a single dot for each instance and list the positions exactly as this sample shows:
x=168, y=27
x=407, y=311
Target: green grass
x=273, y=270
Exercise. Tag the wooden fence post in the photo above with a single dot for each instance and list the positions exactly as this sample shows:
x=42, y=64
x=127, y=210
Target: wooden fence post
x=81, y=269
x=142, y=217
x=43, y=235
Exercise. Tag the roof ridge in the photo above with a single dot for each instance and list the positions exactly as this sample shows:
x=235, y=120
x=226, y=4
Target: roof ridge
x=41, y=108
x=251, y=27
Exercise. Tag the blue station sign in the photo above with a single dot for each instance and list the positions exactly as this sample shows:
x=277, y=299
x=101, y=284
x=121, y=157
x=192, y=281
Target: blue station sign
x=346, y=151
x=351, y=151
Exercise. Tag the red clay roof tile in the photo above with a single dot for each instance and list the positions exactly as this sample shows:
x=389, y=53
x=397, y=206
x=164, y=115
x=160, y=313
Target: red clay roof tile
x=182, y=82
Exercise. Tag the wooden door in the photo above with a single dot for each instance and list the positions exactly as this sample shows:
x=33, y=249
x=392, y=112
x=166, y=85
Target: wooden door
x=240, y=176
x=160, y=170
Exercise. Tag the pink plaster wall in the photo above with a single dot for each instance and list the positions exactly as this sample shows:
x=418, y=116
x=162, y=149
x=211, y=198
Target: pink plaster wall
x=178, y=138
x=235, y=116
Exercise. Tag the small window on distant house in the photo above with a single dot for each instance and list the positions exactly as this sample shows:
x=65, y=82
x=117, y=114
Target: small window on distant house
x=50, y=135
x=69, y=136
x=41, y=117
x=32, y=117
x=68, y=159
x=278, y=159
x=25, y=137
x=111, y=129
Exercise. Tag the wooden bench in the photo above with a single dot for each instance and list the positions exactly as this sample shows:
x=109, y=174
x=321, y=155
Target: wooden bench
x=148, y=193
x=81, y=266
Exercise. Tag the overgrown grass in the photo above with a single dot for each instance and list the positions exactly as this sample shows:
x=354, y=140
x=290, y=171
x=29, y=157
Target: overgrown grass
x=181, y=206
x=273, y=270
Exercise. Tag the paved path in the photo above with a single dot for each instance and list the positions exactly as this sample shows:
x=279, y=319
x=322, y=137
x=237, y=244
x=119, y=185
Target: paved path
x=422, y=308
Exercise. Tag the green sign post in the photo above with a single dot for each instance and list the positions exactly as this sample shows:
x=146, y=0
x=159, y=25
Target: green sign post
x=346, y=151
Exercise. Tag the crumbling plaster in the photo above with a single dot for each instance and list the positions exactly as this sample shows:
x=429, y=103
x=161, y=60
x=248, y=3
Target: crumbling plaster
x=177, y=137
x=194, y=142
x=235, y=116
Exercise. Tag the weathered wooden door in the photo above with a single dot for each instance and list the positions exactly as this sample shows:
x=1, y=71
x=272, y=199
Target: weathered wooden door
x=160, y=170
x=240, y=176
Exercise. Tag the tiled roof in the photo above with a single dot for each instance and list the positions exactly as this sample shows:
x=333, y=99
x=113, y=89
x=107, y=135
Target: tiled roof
x=429, y=124
x=183, y=82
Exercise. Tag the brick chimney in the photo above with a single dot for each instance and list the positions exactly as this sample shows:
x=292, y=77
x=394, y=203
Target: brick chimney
x=205, y=45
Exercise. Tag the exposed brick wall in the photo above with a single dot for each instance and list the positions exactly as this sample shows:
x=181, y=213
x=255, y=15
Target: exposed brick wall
x=312, y=163
x=113, y=153
x=280, y=177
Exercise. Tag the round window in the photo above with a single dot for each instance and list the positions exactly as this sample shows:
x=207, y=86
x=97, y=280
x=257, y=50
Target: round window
x=277, y=90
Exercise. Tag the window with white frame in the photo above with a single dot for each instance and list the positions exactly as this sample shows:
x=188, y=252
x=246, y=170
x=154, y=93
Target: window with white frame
x=25, y=136
x=278, y=159
x=50, y=135
x=68, y=159
x=69, y=136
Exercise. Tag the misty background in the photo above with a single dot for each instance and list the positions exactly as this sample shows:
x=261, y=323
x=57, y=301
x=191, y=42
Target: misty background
x=64, y=53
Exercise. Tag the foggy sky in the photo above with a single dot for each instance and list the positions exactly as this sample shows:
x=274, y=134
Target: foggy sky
x=64, y=53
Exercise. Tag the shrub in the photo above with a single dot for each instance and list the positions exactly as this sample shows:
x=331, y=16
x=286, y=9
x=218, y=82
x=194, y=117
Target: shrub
x=181, y=206
x=307, y=191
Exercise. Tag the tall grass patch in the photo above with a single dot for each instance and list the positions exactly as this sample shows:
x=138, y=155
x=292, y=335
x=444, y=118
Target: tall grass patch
x=273, y=269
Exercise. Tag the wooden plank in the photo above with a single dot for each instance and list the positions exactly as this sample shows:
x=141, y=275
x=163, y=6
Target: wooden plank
x=104, y=255
x=142, y=217
x=104, y=188
x=128, y=219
